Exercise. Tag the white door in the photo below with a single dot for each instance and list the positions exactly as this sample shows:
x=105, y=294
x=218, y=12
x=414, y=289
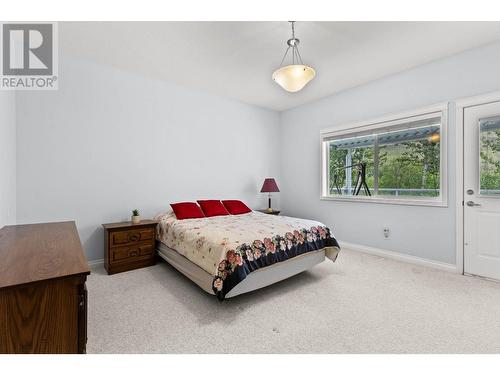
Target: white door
x=482, y=190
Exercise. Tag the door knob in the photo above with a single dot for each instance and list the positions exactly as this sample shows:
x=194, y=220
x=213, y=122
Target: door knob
x=472, y=204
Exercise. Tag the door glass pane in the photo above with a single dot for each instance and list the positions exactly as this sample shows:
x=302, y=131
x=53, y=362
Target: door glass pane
x=489, y=156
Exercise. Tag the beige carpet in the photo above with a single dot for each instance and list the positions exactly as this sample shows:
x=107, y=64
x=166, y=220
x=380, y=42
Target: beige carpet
x=360, y=304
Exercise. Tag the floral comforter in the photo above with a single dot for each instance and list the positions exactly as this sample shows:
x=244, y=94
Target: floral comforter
x=230, y=247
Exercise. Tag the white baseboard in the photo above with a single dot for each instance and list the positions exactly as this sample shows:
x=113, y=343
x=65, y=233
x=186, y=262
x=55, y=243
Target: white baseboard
x=399, y=256
x=370, y=250
x=96, y=262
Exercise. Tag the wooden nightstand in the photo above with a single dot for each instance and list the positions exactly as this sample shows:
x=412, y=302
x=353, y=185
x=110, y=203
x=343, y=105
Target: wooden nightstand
x=273, y=212
x=129, y=246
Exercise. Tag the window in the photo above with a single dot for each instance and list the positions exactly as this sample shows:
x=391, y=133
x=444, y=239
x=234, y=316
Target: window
x=397, y=160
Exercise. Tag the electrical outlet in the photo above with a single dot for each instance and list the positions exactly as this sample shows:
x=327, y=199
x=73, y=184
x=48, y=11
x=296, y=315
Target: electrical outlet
x=386, y=232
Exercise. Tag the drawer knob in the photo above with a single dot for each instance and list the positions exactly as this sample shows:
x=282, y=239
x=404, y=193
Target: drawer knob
x=134, y=237
x=133, y=253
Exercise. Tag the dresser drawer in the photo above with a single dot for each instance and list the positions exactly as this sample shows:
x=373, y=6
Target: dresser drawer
x=128, y=237
x=125, y=253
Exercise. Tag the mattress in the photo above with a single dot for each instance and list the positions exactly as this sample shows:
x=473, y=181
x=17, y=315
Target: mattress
x=231, y=247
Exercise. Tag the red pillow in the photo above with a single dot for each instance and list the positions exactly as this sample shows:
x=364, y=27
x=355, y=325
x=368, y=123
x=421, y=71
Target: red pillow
x=213, y=208
x=236, y=207
x=187, y=210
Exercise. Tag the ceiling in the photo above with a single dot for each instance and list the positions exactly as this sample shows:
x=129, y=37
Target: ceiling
x=236, y=59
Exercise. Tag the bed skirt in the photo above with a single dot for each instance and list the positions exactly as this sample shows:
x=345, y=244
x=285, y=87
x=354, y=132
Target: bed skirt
x=260, y=278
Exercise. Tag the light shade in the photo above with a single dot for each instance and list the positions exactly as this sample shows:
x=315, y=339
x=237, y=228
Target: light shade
x=269, y=186
x=293, y=77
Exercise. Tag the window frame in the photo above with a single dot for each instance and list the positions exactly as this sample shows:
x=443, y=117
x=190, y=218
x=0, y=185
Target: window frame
x=383, y=122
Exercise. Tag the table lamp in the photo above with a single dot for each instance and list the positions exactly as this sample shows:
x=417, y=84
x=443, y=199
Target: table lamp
x=269, y=187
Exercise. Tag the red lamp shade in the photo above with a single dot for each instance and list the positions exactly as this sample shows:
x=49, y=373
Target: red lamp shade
x=269, y=186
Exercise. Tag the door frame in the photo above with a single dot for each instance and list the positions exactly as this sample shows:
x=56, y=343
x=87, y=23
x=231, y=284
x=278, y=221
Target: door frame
x=461, y=105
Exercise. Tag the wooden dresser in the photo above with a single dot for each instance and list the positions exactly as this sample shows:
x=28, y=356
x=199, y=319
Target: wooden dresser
x=129, y=246
x=43, y=299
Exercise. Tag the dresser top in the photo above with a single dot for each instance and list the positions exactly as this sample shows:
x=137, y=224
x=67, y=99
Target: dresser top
x=37, y=252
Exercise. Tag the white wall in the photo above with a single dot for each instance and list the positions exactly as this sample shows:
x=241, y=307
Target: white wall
x=427, y=232
x=108, y=141
x=7, y=158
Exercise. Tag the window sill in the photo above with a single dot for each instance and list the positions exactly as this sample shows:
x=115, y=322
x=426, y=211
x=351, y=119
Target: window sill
x=397, y=201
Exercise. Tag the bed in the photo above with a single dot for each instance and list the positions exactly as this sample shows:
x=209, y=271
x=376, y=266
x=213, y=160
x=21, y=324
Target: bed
x=230, y=255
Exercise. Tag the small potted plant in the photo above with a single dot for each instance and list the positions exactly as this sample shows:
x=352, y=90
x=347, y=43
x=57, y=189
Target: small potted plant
x=136, y=218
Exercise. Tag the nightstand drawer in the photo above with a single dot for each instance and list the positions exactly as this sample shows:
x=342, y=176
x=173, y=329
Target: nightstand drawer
x=131, y=236
x=131, y=252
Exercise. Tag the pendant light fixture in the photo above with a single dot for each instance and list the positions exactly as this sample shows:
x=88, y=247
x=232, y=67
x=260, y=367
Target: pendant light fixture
x=293, y=77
